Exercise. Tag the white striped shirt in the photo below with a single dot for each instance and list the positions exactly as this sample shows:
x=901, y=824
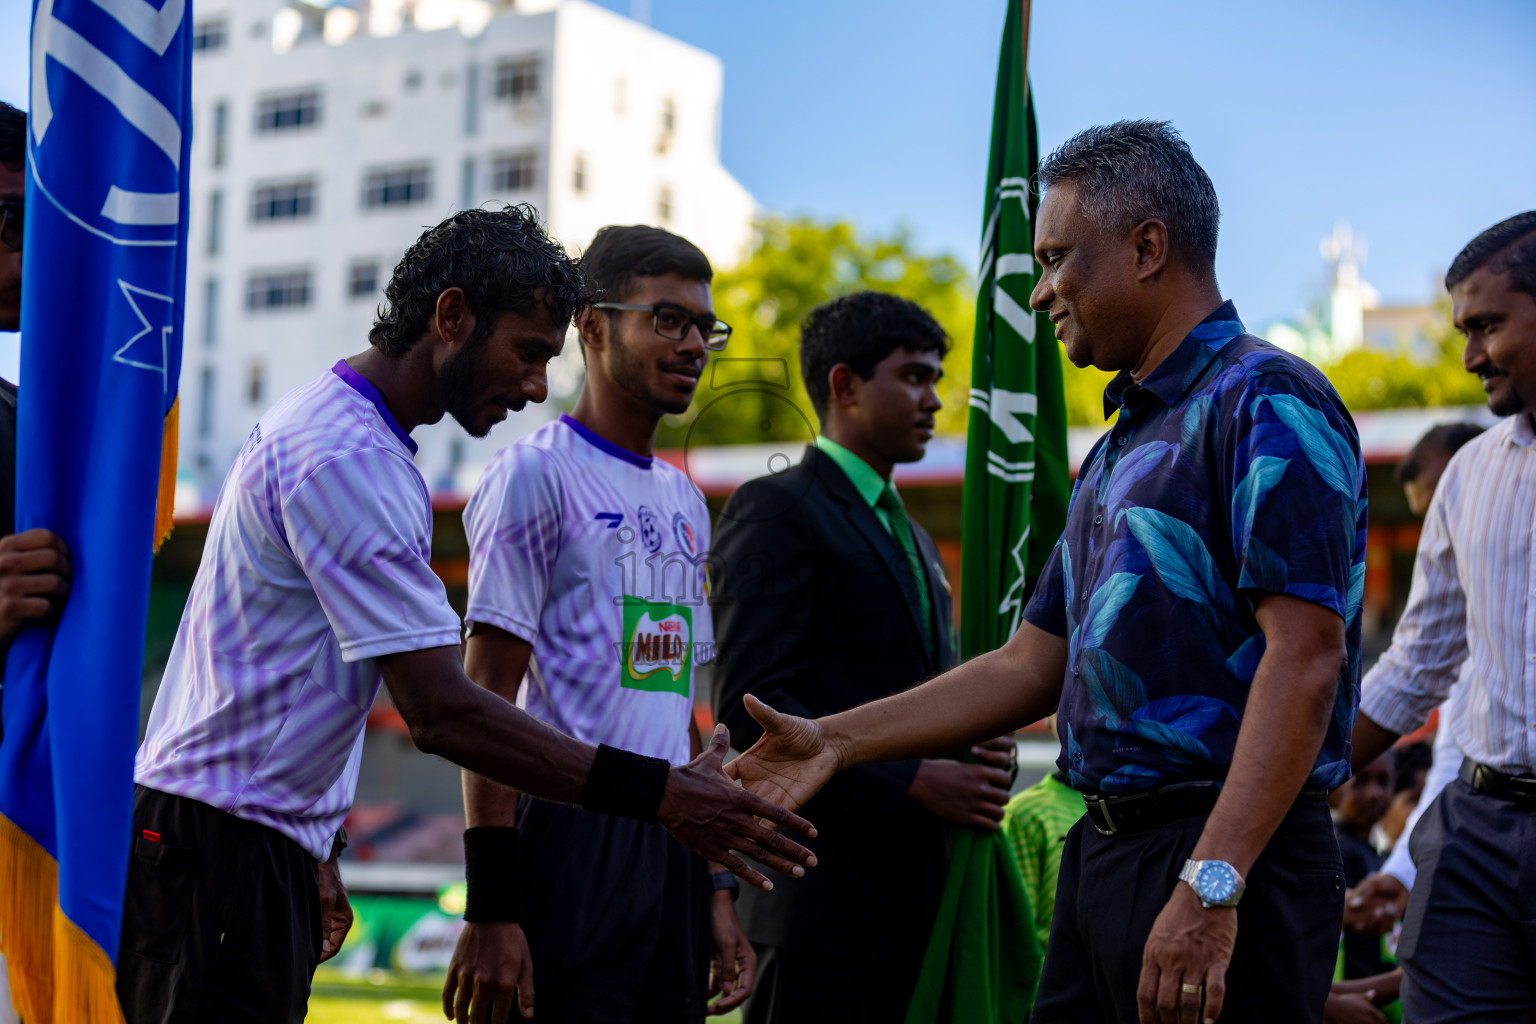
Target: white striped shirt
x=316, y=563
x=1471, y=611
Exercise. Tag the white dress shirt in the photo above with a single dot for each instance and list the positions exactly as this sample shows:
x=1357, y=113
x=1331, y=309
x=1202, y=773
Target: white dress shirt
x=1471, y=611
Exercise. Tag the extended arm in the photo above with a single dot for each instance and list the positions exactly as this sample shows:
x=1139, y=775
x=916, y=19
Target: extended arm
x=993, y=694
x=497, y=661
x=451, y=717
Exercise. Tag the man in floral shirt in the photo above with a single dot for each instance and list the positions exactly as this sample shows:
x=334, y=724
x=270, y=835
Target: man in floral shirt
x=1198, y=623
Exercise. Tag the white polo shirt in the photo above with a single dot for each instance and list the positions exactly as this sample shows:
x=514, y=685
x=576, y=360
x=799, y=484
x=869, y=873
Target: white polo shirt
x=316, y=563
x=595, y=555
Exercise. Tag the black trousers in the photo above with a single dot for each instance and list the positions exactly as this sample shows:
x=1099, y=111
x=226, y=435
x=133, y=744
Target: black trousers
x=797, y=987
x=1468, y=947
x=221, y=921
x=1111, y=889
x=617, y=917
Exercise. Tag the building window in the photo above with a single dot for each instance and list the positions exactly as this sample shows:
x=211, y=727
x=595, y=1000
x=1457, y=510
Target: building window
x=579, y=174
x=363, y=279
x=512, y=172
x=284, y=289
x=664, y=205
x=205, y=404
x=668, y=126
x=287, y=111
x=516, y=79
x=287, y=200
x=220, y=132
x=467, y=183
x=397, y=186
x=215, y=221
x=210, y=312
x=256, y=382
x=210, y=34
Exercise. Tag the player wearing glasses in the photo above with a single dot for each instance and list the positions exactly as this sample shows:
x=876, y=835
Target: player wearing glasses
x=587, y=607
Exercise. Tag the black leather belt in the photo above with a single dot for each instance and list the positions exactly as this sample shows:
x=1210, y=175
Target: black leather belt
x=1517, y=789
x=1136, y=811
x=1115, y=815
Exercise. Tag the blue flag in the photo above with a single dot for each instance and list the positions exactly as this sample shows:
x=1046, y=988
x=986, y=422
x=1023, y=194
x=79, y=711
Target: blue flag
x=103, y=284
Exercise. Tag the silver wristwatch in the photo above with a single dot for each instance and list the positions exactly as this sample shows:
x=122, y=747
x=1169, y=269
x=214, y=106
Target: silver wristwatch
x=1216, y=882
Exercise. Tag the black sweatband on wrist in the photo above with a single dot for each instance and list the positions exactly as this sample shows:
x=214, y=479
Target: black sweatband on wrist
x=490, y=874
x=625, y=784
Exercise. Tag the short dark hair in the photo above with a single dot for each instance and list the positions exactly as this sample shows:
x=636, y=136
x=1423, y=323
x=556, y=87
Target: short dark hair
x=1445, y=440
x=619, y=254
x=1509, y=247
x=861, y=330
x=502, y=258
x=13, y=135
x=1132, y=171
x=1410, y=760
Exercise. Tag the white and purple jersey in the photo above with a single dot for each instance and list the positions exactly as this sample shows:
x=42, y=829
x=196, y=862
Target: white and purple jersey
x=595, y=555
x=316, y=563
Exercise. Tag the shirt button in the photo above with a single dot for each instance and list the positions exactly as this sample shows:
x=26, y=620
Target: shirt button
x=1121, y=442
x=1099, y=521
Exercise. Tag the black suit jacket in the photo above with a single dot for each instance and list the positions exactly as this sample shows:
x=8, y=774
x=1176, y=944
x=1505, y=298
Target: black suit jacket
x=813, y=615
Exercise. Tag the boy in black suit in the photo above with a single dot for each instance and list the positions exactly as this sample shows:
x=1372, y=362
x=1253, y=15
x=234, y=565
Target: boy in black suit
x=826, y=595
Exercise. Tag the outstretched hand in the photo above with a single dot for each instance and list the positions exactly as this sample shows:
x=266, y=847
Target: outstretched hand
x=789, y=763
x=718, y=819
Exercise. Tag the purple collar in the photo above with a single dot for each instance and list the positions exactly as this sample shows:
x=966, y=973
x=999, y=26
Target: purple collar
x=604, y=445
x=360, y=384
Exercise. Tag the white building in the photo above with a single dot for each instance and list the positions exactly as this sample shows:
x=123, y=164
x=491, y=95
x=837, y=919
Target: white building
x=327, y=136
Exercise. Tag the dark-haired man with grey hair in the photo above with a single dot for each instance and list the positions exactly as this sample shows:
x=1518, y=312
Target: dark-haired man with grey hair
x=1198, y=625
x=315, y=582
x=1468, y=946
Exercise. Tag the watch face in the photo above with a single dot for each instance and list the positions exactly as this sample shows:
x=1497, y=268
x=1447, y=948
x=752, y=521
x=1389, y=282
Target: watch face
x=1216, y=882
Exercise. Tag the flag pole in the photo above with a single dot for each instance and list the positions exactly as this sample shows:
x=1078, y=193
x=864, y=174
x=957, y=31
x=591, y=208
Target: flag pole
x=1024, y=32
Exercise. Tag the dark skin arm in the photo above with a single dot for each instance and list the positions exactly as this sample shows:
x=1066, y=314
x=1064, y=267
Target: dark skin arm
x=1370, y=741
x=448, y=715
x=733, y=963
x=1286, y=718
x=988, y=696
x=492, y=969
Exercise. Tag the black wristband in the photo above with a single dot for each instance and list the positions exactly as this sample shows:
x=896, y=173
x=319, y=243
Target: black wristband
x=490, y=874
x=725, y=880
x=626, y=784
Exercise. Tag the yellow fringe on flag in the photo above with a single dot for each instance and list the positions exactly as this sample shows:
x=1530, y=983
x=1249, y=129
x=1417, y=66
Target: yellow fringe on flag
x=28, y=896
x=165, y=504
x=84, y=982
x=58, y=973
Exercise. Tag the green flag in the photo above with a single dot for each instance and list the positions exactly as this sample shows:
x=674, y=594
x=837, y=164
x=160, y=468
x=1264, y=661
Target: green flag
x=1016, y=473
x=983, y=959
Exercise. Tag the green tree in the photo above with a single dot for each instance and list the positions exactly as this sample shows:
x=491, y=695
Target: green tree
x=752, y=391
x=1373, y=379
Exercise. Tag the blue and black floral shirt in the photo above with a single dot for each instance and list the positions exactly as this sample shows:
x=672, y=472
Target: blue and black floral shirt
x=1231, y=471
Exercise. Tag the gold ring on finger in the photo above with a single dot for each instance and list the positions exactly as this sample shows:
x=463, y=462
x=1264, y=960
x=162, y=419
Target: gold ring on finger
x=1191, y=990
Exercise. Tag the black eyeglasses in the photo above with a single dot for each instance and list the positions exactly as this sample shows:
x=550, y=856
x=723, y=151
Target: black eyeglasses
x=672, y=322
x=11, y=224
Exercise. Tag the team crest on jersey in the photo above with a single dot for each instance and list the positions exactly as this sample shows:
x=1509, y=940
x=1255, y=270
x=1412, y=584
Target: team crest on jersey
x=650, y=529
x=658, y=647
x=687, y=540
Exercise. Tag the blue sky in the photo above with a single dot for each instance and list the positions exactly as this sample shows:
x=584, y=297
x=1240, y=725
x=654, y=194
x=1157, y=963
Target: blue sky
x=1415, y=121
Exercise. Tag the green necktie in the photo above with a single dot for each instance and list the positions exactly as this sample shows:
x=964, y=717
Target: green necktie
x=896, y=514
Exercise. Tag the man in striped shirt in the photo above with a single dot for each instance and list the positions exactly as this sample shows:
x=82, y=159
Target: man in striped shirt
x=315, y=582
x=1467, y=942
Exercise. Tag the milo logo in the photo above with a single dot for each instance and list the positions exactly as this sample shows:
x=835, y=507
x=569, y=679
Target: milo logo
x=658, y=647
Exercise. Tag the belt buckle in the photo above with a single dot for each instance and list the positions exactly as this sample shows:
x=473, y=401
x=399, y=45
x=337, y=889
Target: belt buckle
x=1522, y=788
x=1103, y=806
